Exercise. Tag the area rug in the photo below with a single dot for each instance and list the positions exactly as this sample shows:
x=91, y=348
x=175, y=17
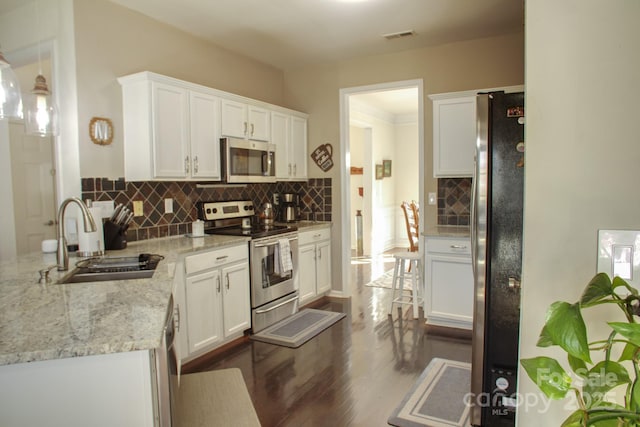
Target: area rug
x=299, y=328
x=383, y=281
x=437, y=399
x=214, y=398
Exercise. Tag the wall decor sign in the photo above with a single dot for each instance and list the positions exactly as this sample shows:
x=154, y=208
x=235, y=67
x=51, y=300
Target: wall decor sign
x=322, y=156
x=101, y=131
x=387, y=168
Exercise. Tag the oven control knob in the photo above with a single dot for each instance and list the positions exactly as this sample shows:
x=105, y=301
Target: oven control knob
x=214, y=210
x=246, y=207
x=208, y=210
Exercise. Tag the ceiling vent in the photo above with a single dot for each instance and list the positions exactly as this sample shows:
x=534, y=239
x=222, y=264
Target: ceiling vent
x=399, y=35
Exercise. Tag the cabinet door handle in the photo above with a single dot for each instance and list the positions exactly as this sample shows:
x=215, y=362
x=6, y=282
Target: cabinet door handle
x=218, y=287
x=458, y=246
x=245, y=128
x=320, y=254
x=227, y=281
x=294, y=169
x=289, y=168
x=186, y=164
x=195, y=164
x=252, y=129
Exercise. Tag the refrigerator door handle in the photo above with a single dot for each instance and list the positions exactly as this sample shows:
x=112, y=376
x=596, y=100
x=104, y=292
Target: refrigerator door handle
x=474, y=237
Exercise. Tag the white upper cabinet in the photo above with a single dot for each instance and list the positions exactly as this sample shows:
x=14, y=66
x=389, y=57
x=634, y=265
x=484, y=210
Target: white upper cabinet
x=454, y=136
x=247, y=121
x=454, y=131
x=170, y=131
x=298, y=144
x=205, y=136
x=280, y=125
x=289, y=134
x=170, y=137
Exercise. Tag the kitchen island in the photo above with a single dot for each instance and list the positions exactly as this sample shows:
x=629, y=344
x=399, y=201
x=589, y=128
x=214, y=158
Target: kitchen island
x=68, y=349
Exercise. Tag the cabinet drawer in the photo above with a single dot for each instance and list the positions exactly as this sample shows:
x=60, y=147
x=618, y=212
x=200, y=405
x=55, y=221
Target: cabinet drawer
x=206, y=260
x=449, y=246
x=314, y=236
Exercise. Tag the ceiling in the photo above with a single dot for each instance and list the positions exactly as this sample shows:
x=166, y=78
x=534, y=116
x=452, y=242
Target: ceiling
x=289, y=34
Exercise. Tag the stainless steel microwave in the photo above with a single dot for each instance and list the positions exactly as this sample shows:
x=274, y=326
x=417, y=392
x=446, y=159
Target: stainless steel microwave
x=248, y=161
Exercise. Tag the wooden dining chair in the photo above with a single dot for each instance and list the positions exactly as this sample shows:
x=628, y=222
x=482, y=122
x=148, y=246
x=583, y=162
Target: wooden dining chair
x=411, y=222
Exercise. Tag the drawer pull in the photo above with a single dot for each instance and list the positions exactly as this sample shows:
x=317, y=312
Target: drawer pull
x=221, y=258
x=458, y=246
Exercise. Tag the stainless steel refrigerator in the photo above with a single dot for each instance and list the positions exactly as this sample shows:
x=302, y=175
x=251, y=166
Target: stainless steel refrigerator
x=496, y=233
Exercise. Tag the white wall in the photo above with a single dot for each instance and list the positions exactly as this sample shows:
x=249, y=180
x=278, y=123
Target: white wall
x=582, y=157
x=406, y=169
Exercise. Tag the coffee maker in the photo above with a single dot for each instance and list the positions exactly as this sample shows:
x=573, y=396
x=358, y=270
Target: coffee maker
x=290, y=209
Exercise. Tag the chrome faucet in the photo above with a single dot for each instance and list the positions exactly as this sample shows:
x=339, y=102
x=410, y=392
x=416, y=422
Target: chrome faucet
x=62, y=255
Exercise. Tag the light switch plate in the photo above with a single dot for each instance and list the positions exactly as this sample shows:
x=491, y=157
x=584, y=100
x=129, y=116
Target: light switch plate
x=432, y=198
x=619, y=254
x=168, y=206
x=138, y=208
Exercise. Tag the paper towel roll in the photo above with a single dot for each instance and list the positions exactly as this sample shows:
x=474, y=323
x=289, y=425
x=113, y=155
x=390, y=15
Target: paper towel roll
x=91, y=244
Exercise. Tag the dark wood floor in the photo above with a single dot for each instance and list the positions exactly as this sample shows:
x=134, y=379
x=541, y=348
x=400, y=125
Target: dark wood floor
x=352, y=374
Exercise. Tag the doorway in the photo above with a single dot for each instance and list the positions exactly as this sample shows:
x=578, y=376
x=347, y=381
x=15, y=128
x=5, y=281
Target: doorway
x=381, y=125
x=28, y=176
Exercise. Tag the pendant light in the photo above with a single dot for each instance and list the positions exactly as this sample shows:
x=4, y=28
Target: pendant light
x=40, y=111
x=10, y=99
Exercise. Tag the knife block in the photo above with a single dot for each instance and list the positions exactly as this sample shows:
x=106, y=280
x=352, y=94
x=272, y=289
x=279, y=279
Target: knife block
x=115, y=236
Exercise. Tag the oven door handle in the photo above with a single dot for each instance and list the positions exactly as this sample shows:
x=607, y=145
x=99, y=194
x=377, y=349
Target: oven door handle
x=266, y=310
x=264, y=245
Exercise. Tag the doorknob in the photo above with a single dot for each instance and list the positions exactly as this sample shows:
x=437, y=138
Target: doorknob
x=50, y=223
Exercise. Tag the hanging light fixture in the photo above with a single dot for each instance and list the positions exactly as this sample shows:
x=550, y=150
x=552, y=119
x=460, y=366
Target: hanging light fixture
x=40, y=111
x=10, y=99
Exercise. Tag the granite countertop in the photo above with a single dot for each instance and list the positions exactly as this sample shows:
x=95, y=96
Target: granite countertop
x=54, y=321
x=447, y=231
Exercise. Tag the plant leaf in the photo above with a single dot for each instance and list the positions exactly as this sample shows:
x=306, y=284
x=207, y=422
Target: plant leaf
x=635, y=397
x=628, y=352
x=578, y=366
x=598, y=288
x=630, y=331
x=620, y=282
x=603, y=377
x=566, y=328
x=548, y=375
x=575, y=419
x=545, y=339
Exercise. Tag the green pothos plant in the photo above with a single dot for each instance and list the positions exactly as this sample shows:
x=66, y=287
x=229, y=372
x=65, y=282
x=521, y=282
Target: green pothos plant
x=592, y=382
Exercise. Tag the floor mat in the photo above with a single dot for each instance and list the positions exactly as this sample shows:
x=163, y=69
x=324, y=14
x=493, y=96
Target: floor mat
x=299, y=328
x=437, y=399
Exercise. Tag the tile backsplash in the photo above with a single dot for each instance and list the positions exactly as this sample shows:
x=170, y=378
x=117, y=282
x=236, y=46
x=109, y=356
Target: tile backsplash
x=315, y=194
x=454, y=201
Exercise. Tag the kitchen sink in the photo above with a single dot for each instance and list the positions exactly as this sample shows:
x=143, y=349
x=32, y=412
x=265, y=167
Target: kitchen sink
x=79, y=276
x=102, y=269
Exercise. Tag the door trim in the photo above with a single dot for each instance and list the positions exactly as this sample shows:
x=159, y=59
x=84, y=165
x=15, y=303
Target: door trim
x=345, y=177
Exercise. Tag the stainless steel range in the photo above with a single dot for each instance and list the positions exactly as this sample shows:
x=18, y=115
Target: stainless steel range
x=273, y=258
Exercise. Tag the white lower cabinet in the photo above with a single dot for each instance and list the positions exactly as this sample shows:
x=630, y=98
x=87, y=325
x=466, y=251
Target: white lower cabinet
x=216, y=298
x=314, y=263
x=449, y=282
